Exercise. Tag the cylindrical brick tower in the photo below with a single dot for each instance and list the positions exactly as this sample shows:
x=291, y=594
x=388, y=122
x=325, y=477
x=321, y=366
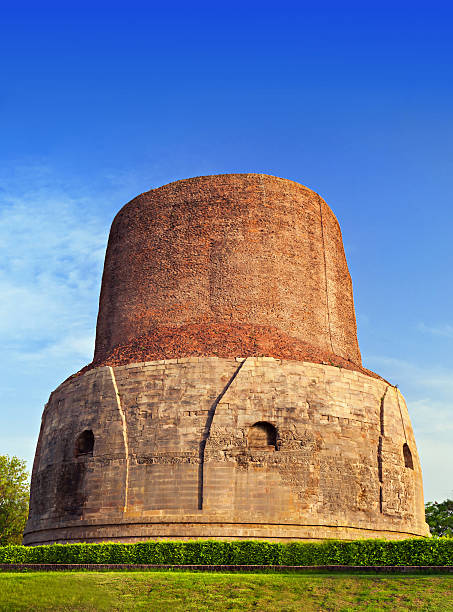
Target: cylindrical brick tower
x=226, y=398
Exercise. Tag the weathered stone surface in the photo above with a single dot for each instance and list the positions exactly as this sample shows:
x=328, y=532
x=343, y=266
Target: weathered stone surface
x=226, y=398
x=176, y=456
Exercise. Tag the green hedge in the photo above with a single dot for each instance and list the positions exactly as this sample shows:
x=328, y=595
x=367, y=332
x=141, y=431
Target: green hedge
x=429, y=551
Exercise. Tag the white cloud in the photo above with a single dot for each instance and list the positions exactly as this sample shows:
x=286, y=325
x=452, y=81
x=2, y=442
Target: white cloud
x=51, y=253
x=404, y=373
x=432, y=416
x=445, y=330
x=437, y=466
x=52, y=241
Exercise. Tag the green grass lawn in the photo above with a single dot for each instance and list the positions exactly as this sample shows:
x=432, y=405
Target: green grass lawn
x=182, y=591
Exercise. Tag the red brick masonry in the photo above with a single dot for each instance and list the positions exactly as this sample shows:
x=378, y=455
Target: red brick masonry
x=220, y=340
x=230, y=265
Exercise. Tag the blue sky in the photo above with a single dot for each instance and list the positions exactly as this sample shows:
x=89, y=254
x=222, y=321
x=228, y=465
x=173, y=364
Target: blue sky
x=102, y=101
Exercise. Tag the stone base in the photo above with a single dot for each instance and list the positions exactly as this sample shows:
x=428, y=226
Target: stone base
x=208, y=531
x=198, y=448
x=193, y=529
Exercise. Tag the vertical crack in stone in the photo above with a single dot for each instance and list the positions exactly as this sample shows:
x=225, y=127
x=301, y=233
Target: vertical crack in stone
x=381, y=414
x=125, y=437
x=401, y=414
x=380, y=443
x=207, y=432
x=380, y=459
x=325, y=274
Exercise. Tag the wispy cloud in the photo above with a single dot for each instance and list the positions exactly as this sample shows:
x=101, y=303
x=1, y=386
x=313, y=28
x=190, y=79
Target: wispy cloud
x=51, y=252
x=445, y=330
x=53, y=233
x=437, y=466
x=405, y=373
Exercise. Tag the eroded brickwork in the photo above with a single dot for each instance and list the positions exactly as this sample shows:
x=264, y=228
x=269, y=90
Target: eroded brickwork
x=261, y=254
x=183, y=462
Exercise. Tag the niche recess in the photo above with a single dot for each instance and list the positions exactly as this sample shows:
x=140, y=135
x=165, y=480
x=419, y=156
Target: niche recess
x=84, y=444
x=407, y=457
x=262, y=436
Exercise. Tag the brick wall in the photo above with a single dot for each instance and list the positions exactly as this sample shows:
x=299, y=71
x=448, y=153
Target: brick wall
x=260, y=254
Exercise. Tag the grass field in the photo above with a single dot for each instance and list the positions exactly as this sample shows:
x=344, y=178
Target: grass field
x=182, y=591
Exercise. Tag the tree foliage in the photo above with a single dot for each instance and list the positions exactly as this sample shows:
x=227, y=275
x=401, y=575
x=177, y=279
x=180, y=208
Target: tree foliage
x=439, y=517
x=14, y=496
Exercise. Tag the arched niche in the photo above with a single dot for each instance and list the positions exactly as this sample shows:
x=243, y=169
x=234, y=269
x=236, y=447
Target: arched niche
x=408, y=462
x=84, y=444
x=262, y=435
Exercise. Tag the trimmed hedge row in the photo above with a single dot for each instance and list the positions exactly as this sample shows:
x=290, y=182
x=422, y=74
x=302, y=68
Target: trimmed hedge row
x=429, y=551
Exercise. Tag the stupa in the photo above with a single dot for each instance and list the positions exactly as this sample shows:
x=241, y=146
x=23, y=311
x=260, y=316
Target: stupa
x=227, y=397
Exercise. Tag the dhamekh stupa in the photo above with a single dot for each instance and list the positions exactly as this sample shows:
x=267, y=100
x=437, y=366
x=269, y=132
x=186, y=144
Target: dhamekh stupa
x=226, y=397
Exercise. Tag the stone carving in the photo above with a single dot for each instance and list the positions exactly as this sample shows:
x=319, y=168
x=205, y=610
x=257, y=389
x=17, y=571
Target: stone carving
x=226, y=398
